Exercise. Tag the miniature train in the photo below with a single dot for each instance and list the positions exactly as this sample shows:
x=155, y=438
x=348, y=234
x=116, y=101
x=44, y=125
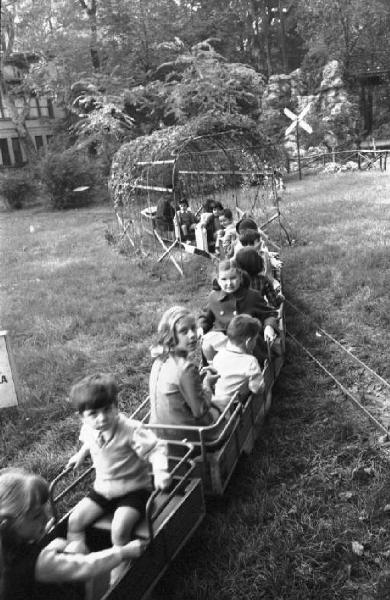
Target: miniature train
x=202, y=461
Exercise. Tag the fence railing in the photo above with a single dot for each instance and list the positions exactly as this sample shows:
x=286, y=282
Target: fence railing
x=364, y=159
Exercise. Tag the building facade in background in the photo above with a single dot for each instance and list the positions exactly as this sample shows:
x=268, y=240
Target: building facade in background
x=41, y=114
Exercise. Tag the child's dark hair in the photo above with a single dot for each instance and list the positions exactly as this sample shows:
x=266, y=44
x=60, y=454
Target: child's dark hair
x=94, y=391
x=249, y=237
x=249, y=260
x=208, y=205
x=246, y=223
x=227, y=213
x=183, y=201
x=242, y=327
x=218, y=205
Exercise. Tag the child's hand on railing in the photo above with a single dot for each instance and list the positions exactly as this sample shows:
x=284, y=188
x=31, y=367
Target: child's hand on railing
x=162, y=481
x=269, y=334
x=74, y=462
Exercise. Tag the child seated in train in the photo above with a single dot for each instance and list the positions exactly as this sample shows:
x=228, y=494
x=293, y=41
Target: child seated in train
x=233, y=298
x=186, y=221
x=210, y=220
x=250, y=261
x=226, y=237
x=120, y=449
x=28, y=570
x=239, y=371
x=177, y=394
x=249, y=235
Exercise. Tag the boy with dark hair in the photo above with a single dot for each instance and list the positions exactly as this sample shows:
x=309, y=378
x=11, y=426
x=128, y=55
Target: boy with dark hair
x=120, y=448
x=239, y=371
x=186, y=221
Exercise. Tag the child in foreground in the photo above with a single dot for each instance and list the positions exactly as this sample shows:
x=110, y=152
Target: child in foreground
x=29, y=571
x=120, y=448
x=233, y=298
x=177, y=394
x=239, y=371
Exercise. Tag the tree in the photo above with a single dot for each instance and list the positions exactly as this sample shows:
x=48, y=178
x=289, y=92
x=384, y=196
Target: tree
x=198, y=81
x=16, y=95
x=346, y=28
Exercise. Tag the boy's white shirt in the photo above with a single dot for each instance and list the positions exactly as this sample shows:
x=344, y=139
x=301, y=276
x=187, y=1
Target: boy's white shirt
x=142, y=441
x=236, y=368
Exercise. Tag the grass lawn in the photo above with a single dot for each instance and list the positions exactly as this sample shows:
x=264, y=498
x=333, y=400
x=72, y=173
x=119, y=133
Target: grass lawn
x=305, y=515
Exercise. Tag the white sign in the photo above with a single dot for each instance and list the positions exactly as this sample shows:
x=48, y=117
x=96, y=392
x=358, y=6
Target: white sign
x=297, y=120
x=8, y=396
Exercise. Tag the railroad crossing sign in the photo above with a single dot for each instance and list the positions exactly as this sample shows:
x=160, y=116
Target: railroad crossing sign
x=298, y=121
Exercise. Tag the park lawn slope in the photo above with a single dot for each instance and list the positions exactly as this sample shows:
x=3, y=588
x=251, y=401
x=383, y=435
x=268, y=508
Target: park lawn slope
x=305, y=515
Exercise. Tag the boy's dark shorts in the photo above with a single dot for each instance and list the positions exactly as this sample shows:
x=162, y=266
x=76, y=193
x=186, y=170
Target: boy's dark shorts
x=136, y=500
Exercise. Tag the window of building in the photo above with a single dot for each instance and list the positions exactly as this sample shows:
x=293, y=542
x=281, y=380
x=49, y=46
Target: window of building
x=17, y=151
x=4, y=152
x=4, y=112
x=48, y=139
x=50, y=108
x=38, y=142
x=34, y=111
x=42, y=105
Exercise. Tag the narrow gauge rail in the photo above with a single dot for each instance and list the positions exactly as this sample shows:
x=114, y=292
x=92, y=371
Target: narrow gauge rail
x=201, y=461
x=364, y=387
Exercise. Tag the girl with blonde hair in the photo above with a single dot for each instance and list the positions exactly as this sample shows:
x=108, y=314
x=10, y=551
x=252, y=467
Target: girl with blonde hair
x=177, y=394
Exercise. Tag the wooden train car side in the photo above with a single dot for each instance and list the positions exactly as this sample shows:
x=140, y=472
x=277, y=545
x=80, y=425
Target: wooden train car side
x=171, y=519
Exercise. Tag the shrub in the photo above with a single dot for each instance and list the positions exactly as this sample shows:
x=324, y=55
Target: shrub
x=17, y=188
x=63, y=173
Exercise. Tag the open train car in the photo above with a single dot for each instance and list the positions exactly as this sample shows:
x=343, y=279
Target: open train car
x=219, y=446
x=172, y=517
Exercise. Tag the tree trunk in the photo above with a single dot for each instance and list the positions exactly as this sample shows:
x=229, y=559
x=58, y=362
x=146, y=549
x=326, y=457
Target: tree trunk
x=93, y=44
x=283, y=38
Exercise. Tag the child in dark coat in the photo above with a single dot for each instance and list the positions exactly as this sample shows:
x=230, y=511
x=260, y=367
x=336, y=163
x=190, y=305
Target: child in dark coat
x=234, y=298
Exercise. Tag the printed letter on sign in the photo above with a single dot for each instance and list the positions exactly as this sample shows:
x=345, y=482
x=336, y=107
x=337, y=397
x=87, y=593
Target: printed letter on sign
x=8, y=396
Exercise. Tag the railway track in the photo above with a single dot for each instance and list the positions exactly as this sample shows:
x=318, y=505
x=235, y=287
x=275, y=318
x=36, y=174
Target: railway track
x=368, y=391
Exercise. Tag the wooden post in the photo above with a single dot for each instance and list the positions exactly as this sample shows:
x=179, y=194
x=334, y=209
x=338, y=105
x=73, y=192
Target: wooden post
x=168, y=251
x=299, y=152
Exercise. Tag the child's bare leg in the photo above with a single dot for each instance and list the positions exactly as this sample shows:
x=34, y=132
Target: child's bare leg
x=84, y=513
x=123, y=523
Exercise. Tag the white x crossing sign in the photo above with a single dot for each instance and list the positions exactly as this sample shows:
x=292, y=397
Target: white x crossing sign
x=297, y=120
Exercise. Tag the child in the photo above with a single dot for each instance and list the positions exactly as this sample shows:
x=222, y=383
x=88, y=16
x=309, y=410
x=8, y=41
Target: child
x=249, y=235
x=251, y=262
x=238, y=369
x=233, y=298
x=120, y=448
x=165, y=214
x=186, y=220
x=227, y=235
x=177, y=395
x=30, y=572
x=211, y=222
